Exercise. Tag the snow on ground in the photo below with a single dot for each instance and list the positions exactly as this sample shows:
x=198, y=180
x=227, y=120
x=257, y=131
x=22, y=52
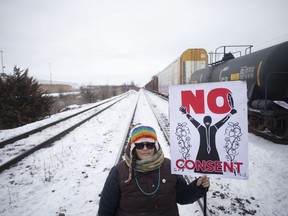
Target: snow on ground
x=68, y=176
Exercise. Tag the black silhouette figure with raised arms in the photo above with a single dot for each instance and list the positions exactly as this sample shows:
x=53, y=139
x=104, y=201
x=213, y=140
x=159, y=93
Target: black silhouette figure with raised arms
x=207, y=148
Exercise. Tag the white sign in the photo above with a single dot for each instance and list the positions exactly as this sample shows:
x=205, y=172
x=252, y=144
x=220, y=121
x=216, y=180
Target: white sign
x=209, y=129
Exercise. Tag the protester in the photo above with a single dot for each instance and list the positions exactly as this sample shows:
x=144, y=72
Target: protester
x=142, y=184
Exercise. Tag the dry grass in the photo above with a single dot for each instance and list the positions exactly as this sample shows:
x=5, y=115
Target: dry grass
x=95, y=93
x=56, y=88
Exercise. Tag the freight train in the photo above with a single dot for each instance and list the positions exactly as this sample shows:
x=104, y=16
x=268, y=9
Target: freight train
x=266, y=74
x=179, y=71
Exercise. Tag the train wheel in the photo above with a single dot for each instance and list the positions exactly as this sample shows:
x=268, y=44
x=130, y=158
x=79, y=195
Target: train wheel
x=281, y=132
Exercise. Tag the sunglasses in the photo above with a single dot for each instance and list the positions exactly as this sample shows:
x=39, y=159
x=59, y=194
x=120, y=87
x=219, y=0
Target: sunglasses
x=149, y=145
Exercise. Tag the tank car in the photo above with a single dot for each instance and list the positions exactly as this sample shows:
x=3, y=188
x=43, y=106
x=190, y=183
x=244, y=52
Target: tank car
x=180, y=70
x=266, y=74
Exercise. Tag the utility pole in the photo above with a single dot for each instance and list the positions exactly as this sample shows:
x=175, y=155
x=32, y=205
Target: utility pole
x=50, y=73
x=2, y=61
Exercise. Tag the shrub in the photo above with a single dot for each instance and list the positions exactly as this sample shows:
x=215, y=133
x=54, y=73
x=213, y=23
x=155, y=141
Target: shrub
x=21, y=100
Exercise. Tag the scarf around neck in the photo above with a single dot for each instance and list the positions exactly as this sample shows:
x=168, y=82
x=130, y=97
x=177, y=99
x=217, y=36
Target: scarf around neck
x=147, y=165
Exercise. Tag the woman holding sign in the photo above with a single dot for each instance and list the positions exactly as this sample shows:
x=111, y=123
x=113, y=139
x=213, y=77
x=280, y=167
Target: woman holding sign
x=142, y=184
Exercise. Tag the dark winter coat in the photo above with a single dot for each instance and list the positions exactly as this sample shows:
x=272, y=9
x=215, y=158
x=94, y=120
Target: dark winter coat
x=121, y=199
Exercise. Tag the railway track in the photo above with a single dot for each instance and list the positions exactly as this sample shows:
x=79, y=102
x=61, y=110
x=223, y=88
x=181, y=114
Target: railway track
x=36, y=130
x=16, y=148
x=164, y=125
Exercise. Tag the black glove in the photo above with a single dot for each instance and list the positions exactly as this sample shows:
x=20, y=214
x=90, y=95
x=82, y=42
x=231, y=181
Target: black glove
x=183, y=110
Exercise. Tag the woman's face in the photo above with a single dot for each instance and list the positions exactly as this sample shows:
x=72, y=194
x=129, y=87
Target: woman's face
x=145, y=153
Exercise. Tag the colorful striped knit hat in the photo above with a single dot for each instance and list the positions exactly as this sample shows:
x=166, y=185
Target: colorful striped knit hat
x=143, y=134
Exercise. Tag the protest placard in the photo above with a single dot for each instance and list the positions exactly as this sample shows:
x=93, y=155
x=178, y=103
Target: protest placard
x=209, y=129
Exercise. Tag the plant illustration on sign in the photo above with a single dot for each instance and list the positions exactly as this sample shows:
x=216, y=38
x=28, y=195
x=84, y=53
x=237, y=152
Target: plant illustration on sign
x=233, y=136
x=183, y=137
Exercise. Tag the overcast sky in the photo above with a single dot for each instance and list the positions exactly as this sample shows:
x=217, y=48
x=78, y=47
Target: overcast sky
x=119, y=41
